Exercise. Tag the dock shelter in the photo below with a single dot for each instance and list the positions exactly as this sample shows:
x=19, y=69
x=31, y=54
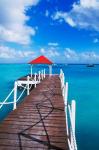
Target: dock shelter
x=41, y=60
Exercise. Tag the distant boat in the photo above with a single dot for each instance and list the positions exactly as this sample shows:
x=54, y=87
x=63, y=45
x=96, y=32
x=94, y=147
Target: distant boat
x=90, y=65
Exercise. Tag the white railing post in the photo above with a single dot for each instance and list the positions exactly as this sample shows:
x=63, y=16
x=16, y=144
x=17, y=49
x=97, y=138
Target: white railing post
x=15, y=95
x=44, y=73
x=72, y=128
x=63, y=90
x=69, y=145
x=66, y=93
x=35, y=79
x=27, y=85
x=72, y=141
x=73, y=110
x=62, y=80
x=50, y=70
x=61, y=76
x=39, y=77
x=31, y=71
x=66, y=106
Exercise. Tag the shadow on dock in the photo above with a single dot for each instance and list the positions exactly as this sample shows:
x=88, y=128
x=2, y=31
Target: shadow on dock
x=39, y=122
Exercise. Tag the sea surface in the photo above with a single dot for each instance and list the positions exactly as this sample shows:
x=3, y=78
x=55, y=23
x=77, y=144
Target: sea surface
x=83, y=87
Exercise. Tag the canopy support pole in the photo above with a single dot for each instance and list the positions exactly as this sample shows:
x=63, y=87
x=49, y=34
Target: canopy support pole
x=50, y=70
x=31, y=71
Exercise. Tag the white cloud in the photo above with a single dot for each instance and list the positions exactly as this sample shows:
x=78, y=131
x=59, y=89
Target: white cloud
x=88, y=3
x=9, y=53
x=46, y=13
x=51, y=52
x=96, y=40
x=13, y=19
x=83, y=57
x=42, y=50
x=84, y=14
x=68, y=55
x=53, y=44
x=70, y=22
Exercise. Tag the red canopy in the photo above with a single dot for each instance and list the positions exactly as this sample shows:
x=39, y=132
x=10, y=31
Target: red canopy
x=41, y=60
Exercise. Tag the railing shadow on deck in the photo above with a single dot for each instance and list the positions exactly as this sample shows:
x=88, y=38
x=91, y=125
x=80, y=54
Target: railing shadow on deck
x=69, y=108
x=41, y=120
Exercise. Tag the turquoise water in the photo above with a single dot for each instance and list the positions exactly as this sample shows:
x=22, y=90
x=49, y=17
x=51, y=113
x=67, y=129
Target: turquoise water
x=83, y=87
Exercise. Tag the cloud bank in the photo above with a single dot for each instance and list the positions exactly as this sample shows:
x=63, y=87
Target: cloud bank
x=13, y=27
x=84, y=15
x=73, y=56
x=66, y=55
x=69, y=55
x=51, y=52
x=9, y=53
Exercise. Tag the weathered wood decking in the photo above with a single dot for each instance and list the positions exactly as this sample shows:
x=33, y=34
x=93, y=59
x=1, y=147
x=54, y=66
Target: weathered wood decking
x=38, y=123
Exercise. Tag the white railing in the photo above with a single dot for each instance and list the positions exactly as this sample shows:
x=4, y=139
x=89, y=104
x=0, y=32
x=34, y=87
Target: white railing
x=69, y=113
x=36, y=79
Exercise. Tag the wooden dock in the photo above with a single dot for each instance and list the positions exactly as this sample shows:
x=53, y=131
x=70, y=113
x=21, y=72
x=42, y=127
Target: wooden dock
x=39, y=122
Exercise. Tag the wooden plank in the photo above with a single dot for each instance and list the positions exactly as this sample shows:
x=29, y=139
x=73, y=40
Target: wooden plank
x=44, y=102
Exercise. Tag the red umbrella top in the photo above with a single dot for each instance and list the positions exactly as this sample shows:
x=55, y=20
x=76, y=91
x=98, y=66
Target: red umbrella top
x=41, y=60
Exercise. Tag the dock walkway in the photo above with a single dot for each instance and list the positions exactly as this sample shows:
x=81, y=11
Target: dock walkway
x=39, y=122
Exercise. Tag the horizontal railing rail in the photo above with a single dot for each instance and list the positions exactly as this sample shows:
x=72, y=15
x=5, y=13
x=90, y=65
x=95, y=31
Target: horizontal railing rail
x=2, y=103
x=28, y=85
x=69, y=113
x=69, y=108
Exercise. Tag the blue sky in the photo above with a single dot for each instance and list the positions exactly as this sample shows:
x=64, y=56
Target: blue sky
x=65, y=31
